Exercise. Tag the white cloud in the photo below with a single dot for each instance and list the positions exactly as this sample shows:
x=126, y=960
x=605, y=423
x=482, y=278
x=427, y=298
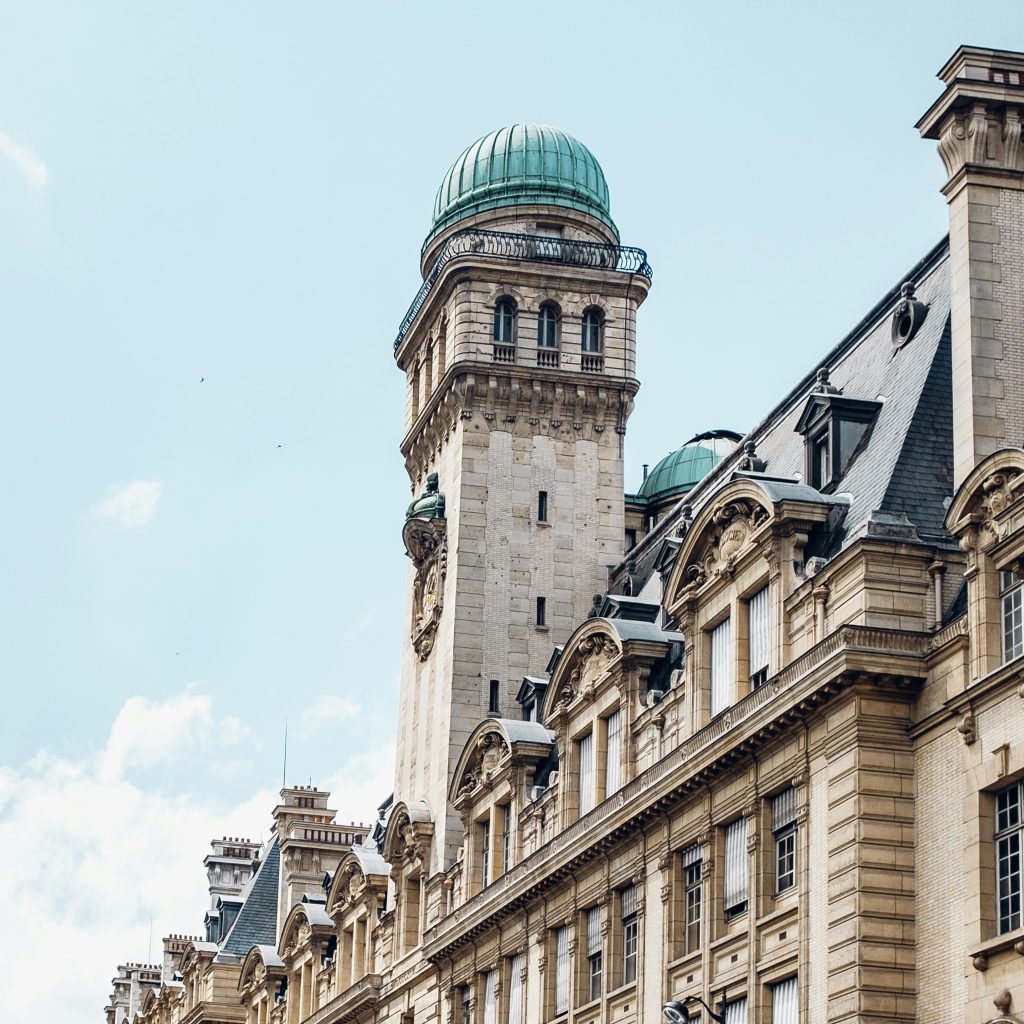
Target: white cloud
x=28, y=162
x=91, y=855
x=131, y=505
x=328, y=710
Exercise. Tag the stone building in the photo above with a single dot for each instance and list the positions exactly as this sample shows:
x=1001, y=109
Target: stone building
x=767, y=764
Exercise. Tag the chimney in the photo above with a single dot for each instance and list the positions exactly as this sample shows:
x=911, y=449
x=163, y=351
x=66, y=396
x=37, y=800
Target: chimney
x=977, y=124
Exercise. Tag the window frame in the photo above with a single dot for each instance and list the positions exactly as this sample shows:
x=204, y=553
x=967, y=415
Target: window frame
x=549, y=323
x=784, y=841
x=542, y=507
x=562, y=980
x=759, y=661
x=630, y=923
x=737, y=858
x=541, y=611
x=693, y=899
x=1011, y=616
x=1012, y=878
x=595, y=954
x=592, y=331
x=721, y=633
x=506, y=315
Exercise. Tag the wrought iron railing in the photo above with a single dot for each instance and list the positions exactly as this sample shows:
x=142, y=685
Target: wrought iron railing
x=511, y=246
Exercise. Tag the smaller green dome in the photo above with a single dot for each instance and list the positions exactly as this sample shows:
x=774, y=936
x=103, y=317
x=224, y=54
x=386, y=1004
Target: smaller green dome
x=525, y=164
x=680, y=470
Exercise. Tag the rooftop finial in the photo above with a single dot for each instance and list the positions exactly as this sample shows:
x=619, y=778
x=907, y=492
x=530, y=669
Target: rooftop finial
x=750, y=463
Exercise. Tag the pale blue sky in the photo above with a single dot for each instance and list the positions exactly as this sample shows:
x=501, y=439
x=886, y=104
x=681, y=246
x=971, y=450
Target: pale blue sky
x=238, y=192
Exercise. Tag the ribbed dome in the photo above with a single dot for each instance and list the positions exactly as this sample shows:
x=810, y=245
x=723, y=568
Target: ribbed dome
x=522, y=165
x=681, y=469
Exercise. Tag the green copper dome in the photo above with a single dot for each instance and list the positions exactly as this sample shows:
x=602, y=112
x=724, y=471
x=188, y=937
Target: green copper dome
x=680, y=470
x=518, y=166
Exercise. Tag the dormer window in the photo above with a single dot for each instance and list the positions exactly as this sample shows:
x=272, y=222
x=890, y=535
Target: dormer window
x=835, y=428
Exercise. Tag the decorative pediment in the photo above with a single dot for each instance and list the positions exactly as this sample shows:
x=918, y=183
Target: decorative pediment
x=490, y=752
x=582, y=666
x=407, y=838
x=983, y=512
x=727, y=536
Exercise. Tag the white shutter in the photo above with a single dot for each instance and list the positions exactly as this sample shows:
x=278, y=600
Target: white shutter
x=613, y=769
x=736, y=864
x=736, y=1011
x=586, y=754
x=757, y=609
x=691, y=855
x=593, y=931
x=562, y=970
x=491, y=997
x=784, y=809
x=515, y=989
x=785, y=1002
x=721, y=667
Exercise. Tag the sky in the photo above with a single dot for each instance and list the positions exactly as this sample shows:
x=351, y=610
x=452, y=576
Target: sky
x=210, y=221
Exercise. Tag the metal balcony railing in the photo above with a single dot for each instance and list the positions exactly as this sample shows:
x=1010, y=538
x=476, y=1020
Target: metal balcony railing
x=511, y=246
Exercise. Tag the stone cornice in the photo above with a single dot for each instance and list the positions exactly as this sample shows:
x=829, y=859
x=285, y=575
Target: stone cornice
x=358, y=999
x=547, y=401
x=848, y=655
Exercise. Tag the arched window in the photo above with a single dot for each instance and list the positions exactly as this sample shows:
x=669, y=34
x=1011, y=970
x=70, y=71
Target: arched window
x=505, y=322
x=593, y=331
x=547, y=326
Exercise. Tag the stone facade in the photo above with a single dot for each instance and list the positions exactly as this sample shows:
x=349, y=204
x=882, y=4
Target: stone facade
x=776, y=763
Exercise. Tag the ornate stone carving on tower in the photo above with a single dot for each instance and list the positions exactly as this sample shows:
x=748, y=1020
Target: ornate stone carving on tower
x=519, y=353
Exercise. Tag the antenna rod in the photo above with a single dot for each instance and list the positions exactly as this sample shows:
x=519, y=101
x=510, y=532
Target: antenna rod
x=284, y=766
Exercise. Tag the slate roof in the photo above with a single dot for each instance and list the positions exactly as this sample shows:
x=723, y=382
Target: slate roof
x=256, y=924
x=905, y=465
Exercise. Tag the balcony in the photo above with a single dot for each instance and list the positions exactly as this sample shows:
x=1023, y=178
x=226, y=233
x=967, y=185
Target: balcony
x=504, y=353
x=591, y=362
x=548, y=357
x=506, y=245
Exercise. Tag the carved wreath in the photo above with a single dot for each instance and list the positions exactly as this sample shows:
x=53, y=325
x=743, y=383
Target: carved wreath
x=996, y=494
x=735, y=523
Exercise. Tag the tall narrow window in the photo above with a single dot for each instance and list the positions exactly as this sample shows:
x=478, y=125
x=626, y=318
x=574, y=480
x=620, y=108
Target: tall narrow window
x=485, y=854
x=504, y=323
x=757, y=625
x=515, y=989
x=562, y=970
x=492, y=697
x=736, y=868
x=613, y=765
x=692, y=897
x=629, y=934
x=491, y=997
x=506, y=837
x=585, y=752
x=1011, y=591
x=547, y=327
x=1009, y=838
x=542, y=506
x=593, y=326
x=595, y=953
x=466, y=1006
x=785, y=1002
x=821, y=461
x=542, y=611
x=721, y=667
x=736, y=1011
x=784, y=836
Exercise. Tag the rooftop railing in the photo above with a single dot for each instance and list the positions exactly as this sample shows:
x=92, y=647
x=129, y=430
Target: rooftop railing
x=512, y=246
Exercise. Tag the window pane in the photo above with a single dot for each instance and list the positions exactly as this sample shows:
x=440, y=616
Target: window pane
x=785, y=1002
x=757, y=609
x=485, y=854
x=490, y=998
x=1013, y=623
x=736, y=1011
x=721, y=667
x=515, y=989
x=692, y=903
x=593, y=931
x=586, y=754
x=736, y=866
x=613, y=768
x=785, y=860
x=1008, y=869
x=561, y=970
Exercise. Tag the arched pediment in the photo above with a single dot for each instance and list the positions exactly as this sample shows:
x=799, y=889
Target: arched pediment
x=194, y=952
x=361, y=868
x=732, y=522
x=259, y=963
x=407, y=836
x=995, y=484
x=587, y=656
x=491, y=746
x=303, y=921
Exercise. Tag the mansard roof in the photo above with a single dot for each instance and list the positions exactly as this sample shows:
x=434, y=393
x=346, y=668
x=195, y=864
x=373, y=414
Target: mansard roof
x=256, y=923
x=903, y=473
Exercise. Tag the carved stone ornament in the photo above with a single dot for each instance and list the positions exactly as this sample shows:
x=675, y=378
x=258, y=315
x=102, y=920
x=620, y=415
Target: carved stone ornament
x=426, y=543
x=967, y=727
x=996, y=494
x=491, y=750
x=735, y=523
x=594, y=654
x=908, y=315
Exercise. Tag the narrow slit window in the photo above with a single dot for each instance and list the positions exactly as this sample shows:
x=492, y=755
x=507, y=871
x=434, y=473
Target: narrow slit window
x=542, y=506
x=492, y=697
x=542, y=611
x=485, y=854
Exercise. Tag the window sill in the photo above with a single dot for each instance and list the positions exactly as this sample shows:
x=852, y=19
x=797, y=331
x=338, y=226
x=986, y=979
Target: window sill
x=593, y=1004
x=1000, y=944
x=546, y=523
x=541, y=629
x=622, y=990
x=685, y=960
